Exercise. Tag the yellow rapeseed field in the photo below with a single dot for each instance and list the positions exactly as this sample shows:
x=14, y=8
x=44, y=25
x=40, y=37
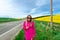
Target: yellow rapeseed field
x=56, y=18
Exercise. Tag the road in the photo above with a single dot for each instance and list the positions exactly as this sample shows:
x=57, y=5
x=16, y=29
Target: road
x=4, y=27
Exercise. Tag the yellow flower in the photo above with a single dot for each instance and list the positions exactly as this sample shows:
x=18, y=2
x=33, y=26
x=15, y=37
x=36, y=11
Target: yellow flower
x=56, y=18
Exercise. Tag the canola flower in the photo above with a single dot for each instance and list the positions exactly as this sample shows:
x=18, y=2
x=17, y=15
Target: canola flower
x=56, y=18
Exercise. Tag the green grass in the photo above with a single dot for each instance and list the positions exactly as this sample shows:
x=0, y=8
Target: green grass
x=20, y=36
x=2, y=20
x=43, y=31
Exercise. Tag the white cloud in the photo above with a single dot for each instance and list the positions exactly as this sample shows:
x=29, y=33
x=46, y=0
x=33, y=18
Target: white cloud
x=41, y=2
x=41, y=14
x=33, y=10
x=38, y=3
x=5, y=5
x=8, y=10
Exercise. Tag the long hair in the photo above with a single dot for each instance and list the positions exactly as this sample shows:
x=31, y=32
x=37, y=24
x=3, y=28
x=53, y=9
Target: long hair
x=30, y=18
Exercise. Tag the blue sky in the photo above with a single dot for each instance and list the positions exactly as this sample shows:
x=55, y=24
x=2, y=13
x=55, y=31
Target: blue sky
x=22, y=8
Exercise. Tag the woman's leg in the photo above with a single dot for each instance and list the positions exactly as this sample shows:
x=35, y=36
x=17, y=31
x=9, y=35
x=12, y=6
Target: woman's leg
x=32, y=38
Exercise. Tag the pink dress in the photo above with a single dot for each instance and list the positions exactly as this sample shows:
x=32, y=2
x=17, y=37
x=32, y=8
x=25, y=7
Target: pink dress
x=30, y=32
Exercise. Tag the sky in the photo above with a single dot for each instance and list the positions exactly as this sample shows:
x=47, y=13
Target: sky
x=22, y=8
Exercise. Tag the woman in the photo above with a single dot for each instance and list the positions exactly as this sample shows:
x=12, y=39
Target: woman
x=29, y=28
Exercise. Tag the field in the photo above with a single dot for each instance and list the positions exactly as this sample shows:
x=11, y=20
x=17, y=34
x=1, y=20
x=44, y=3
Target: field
x=2, y=20
x=43, y=31
x=56, y=18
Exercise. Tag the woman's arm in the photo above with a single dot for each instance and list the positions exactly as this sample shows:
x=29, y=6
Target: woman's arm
x=33, y=25
x=25, y=27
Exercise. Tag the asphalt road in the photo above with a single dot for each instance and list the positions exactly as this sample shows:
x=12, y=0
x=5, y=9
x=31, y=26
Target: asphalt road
x=4, y=27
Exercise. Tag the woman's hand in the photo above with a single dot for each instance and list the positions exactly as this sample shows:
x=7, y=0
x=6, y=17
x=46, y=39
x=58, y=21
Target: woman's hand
x=27, y=27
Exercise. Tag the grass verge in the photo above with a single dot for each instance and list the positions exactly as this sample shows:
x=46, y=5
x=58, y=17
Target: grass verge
x=43, y=31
